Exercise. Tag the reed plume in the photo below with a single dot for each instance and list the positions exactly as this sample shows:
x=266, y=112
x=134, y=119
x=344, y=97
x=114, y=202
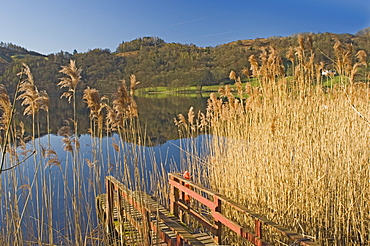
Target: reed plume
x=309, y=43
x=191, y=116
x=69, y=140
x=181, y=121
x=290, y=54
x=239, y=87
x=29, y=94
x=89, y=163
x=301, y=42
x=245, y=71
x=291, y=57
x=43, y=100
x=33, y=99
x=193, y=124
x=124, y=105
x=343, y=62
x=52, y=157
x=5, y=123
x=225, y=91
x=254, y=66
x=232, y=75
x=133, y=84
x=111, y=119
x=71, y=81
x=361, y=56
x=5, y=107
x=94, y=102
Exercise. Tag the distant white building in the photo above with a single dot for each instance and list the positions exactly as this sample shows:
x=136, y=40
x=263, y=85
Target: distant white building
x=329, y=73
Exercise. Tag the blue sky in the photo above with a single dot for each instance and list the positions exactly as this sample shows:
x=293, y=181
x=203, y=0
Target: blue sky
x=49, y=26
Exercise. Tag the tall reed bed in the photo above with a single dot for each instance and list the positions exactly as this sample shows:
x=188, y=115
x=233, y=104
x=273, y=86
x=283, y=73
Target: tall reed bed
x=48, y=195
x=293, y=150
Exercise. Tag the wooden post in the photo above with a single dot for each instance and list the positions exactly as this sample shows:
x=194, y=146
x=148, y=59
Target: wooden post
x=109, y=207
x=120, y=216
x=179, y=240
x=218, y=237
x=258, y=231
x=174, y=197
x=181, y=211
x=146, y=227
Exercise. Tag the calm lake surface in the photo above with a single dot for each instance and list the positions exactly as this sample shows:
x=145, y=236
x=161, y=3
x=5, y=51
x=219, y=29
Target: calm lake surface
x=38, y=186
x=156, y=114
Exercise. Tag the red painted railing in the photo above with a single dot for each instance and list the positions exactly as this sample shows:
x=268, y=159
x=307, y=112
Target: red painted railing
x=118, y=194
x=181, y=187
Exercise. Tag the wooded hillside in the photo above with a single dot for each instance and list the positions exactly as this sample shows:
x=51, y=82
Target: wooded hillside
x=157, y=63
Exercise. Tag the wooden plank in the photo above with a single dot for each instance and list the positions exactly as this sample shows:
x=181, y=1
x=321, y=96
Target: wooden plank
x=159, y=218
x=205, y=238
x=173, y=233
x=173, y=225
x=203, y=221
x=179, y=182
x=134, y=221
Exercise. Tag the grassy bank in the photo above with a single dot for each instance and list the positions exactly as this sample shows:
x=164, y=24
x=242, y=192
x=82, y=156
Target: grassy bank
x=192, y=90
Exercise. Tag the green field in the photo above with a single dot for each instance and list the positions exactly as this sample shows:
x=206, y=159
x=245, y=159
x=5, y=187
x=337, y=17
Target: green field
x=190, y=90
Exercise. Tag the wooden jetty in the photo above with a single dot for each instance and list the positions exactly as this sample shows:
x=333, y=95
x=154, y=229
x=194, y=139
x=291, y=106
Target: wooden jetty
x=197, y=216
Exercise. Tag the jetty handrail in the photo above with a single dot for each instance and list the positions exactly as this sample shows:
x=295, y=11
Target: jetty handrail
x=181, y=187
x=117, y=192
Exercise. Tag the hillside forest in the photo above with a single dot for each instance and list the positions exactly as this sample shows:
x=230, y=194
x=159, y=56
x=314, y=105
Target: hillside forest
x=157, y=63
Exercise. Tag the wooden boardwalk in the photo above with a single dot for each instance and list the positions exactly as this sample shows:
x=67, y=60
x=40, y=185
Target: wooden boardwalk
x=139, y=220
x=135, y=218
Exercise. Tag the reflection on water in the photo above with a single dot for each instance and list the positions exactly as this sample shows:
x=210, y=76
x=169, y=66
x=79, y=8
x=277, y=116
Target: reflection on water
x=56, y=187
x=156, y=114
x=49, y=194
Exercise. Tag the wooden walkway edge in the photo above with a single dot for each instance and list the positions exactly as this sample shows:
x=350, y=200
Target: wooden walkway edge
x=135, y=218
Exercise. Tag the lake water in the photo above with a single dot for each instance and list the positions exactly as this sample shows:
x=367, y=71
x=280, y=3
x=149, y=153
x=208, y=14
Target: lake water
x=156, y=113
x=45, y=195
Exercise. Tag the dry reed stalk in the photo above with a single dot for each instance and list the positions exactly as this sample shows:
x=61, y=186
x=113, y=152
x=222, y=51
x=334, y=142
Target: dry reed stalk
x=72, y=145
x=288, y=158
x=123, y=104
x=71, y=81
x=232, y=75
x=35, y=101
x=133, y=84
x=5, y=107
x=96, y=105
x=361, y=56
x=30, y=96
x=38, y=213
x=245, y=71
x=298, y=155
x=254, y=66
